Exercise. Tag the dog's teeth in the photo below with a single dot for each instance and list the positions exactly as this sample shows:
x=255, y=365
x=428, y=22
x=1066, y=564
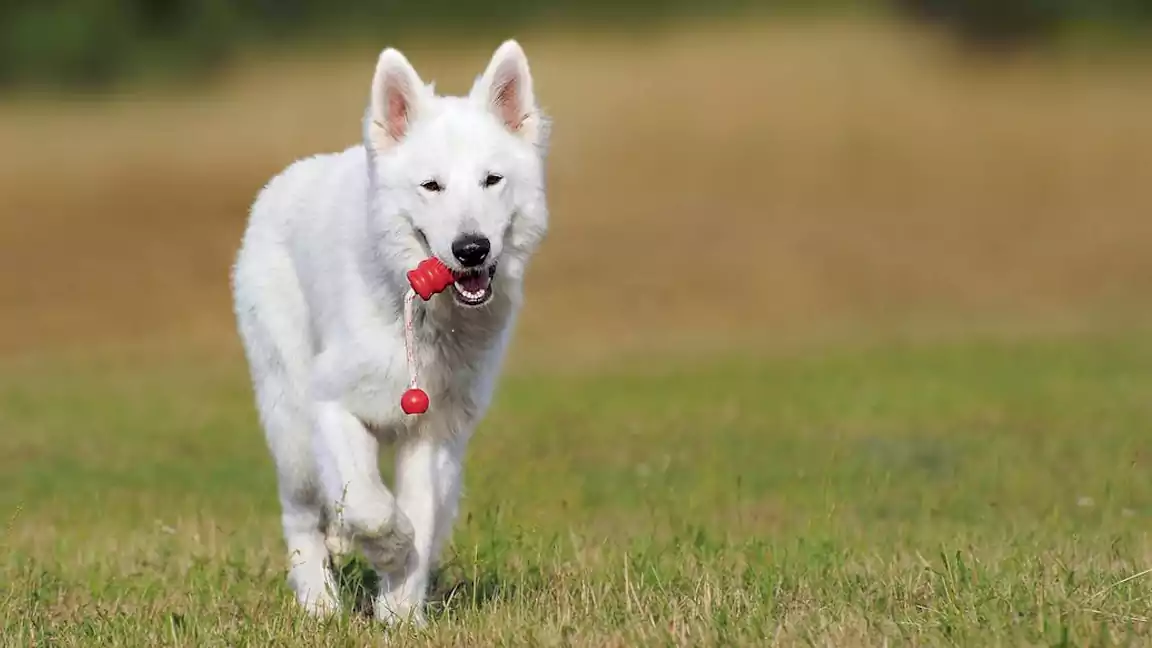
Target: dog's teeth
x=470, y=296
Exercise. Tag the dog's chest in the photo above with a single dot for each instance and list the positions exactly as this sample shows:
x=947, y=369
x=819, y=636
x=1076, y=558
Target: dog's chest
x=455, y=365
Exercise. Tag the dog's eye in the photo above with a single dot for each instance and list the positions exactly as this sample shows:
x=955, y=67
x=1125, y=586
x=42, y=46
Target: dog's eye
x=432, y=186
x=492, y=180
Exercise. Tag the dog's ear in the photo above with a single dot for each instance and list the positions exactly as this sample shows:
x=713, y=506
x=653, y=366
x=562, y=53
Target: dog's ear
x=395, y=102
x=506, y=89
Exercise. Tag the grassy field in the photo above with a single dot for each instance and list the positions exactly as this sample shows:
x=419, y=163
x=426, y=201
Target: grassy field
x=975, y=494
x=897, y=393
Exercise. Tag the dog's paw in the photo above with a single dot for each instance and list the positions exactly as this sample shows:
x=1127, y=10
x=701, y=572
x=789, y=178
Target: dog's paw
x=386, y=553
x=315, y=589
x=398, y=613
x=321, y=604
x=387, y=547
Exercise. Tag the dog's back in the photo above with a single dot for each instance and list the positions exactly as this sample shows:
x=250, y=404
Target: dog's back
x=297, y=222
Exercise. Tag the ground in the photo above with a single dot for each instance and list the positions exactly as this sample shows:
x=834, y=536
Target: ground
x=892, y=389
x=991, y=493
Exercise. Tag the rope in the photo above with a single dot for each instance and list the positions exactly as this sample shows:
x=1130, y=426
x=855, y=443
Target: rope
x=410, y=337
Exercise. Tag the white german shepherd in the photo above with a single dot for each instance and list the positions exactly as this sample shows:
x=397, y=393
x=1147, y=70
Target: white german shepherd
x=319, y=286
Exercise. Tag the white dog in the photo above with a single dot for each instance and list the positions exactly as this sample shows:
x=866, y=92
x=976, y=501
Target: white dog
x=319, y=285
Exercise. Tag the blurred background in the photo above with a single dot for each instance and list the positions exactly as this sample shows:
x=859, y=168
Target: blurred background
x=819, y=169
x=741, y=190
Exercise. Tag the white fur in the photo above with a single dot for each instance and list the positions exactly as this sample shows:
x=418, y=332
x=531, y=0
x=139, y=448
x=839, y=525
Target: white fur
x=318, y=288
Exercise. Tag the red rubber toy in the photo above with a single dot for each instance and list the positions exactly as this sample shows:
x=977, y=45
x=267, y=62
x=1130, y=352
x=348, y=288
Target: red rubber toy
x=414, y=401
x=430, y=277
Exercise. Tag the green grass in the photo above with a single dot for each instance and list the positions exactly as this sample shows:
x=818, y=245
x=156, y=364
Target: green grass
x=983, y=493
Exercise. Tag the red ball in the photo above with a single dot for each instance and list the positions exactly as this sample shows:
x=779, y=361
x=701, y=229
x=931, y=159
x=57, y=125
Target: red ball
x=414, y=401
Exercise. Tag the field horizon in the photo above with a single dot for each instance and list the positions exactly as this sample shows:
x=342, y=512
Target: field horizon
x=905, y=190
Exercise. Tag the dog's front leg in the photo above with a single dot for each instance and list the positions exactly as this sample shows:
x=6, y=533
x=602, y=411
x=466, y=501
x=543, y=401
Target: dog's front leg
x=428, y=474
x=362, y=507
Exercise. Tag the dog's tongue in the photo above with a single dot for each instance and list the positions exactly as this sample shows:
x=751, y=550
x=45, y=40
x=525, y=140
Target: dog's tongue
x=474, y=282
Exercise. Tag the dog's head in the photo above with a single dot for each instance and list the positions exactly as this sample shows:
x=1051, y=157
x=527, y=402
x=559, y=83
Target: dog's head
x=459, y=178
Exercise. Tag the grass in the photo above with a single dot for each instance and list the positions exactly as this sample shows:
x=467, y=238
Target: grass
x=976, y=493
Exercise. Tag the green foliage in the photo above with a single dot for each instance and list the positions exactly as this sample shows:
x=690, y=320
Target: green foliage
x=1014, y=22
x=92, y=43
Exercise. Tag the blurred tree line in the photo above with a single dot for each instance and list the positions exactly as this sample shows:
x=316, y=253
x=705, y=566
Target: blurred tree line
x=92, y=43
x=1020, y=22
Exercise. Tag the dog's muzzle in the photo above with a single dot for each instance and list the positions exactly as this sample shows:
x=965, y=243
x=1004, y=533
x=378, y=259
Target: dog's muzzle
x=473, y=287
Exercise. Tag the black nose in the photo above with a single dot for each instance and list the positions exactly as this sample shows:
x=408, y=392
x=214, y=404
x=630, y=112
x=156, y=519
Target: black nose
x=471, y=249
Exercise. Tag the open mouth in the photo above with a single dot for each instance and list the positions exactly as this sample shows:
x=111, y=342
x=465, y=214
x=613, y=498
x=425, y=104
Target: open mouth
x=473, y=287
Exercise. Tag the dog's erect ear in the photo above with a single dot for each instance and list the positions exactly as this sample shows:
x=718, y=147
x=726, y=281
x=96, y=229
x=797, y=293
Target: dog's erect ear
x=506, y=89
x=395, y=103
